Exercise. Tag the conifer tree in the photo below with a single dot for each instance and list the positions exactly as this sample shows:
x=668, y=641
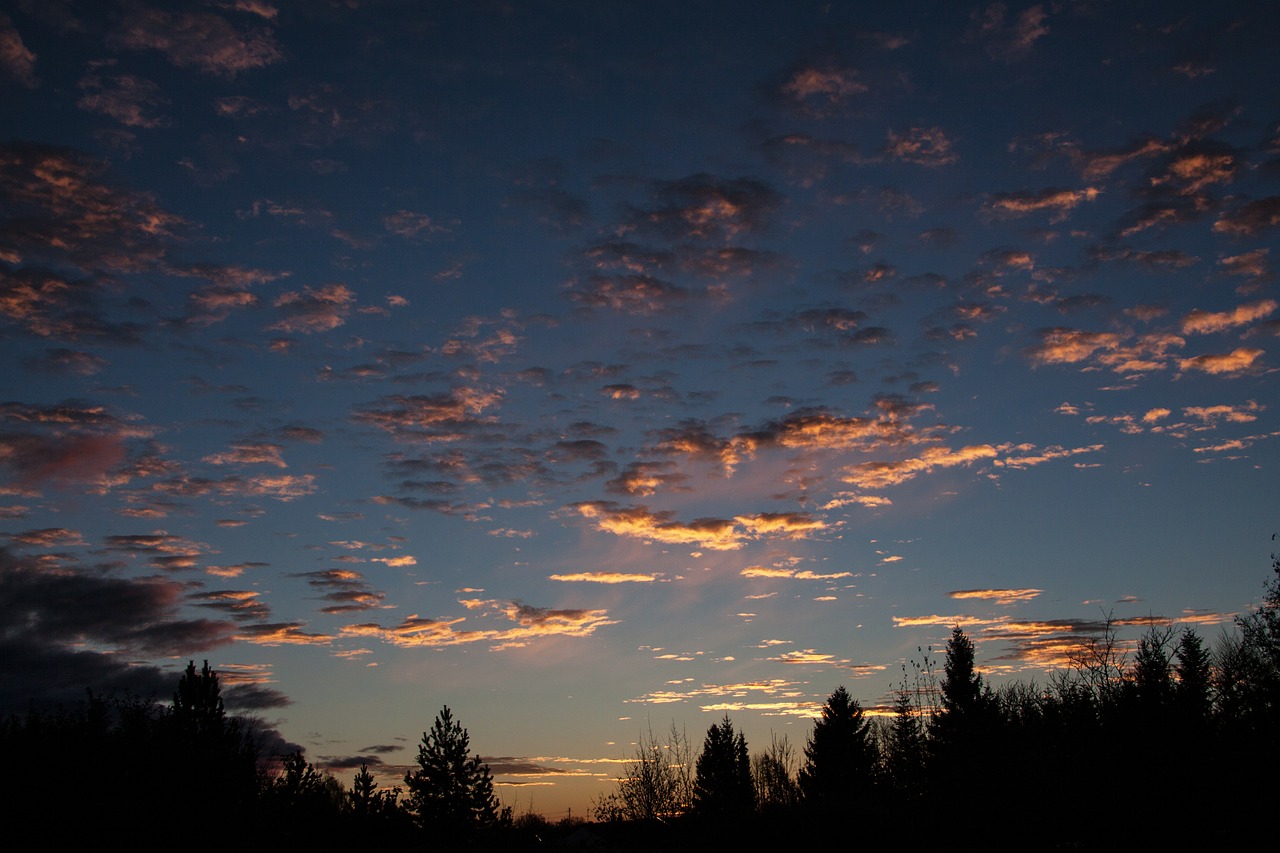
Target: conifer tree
x=840, y=757
x=451, y=792
x=723, y=787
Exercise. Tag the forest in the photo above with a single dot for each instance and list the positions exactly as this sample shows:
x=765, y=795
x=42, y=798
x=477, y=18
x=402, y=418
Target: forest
x=1170, y=742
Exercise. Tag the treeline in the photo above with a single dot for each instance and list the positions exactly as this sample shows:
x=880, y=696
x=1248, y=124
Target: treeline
x=1173, y=744
x=191, y=777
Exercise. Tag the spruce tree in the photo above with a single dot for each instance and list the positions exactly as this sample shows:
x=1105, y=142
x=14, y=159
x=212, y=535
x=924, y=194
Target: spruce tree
x=723, y=786
x=840, y=757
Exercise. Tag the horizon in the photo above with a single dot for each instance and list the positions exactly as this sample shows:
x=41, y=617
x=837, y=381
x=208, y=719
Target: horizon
x=593, y=368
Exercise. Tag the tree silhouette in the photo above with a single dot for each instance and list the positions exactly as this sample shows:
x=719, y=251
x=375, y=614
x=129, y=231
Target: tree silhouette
x=1194, y=670
x=840, y=756
x=656, y=785
x=774, y=774
x=451, y=792
x=723, y=787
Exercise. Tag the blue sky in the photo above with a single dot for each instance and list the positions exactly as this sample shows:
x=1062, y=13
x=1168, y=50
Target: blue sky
x=590, y=367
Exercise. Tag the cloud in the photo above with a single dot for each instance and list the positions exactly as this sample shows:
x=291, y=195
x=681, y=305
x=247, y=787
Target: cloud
x=878, y=475
x=1012, y=40
x=281, y=634
x=249, y=453
x=1033, y=457
x=639, y=522
x=1058, y=202
x=1206, y=322
x=67, y=630
x=705, y=206
x=200, y=40
x=47, y=537
x=239, y=604
x=58, y=208
x=822, y=89
x=779, y=572
x=1251, y=219
x=17, y=62
x=1232, y=414
x=1236, y=361
x=412, y=225
x=924, y=146
x=717, y=534
x=530, y=624
x=346, y=590
x=310, y=311
x=36, y=460
x=999, y=596
x=1061, y=345
x=71, y=362
x=641, y=479
x=434, y=417
x=127, y=98
x=606, y=577
x=1251, y=264
x=629, y=294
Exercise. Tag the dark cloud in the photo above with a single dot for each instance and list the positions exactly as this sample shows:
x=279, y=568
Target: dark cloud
x=1251, y=218
x=253, y=697
x=705, y=206
x=127, y=98
x=56, y=206
x=195, y=39
x=51, y=616
x=627, y=293
x=346, y=590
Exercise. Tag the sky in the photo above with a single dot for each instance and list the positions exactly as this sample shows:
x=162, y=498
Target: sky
x=591, y=368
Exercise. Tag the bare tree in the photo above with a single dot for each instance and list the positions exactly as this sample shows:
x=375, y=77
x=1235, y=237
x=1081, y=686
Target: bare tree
x=656, y=785
x=774, y=772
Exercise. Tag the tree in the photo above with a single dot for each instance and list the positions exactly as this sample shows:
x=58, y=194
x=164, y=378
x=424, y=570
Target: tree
x=904, y=747
x=657, y=785
x=774, y=774
x=451, y=792
x=723, y=787
x=840, y=757
x=197, y=704
x=213, y=758
x=1194, y=670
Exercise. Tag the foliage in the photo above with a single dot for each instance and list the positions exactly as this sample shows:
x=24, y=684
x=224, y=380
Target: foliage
x=840, y=756
x=451, y=791
x=722, y=787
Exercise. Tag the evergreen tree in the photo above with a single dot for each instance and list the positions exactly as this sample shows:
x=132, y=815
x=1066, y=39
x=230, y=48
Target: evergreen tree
x=904, y=748
x=723, y=787
x=451, y=792
x=840, y=757
x=197, y=704
x=1194, y=670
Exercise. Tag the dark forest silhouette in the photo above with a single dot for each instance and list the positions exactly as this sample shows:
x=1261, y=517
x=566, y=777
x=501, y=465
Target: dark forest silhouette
x=1171, y=744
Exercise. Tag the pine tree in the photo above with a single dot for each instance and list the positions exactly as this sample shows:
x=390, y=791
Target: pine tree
x=451, y=792
x=840, y=757
x=723, y=787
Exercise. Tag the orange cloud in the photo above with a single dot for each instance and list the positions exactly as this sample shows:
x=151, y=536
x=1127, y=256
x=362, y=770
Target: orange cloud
x=717, y=534
x=606, y=577
x=1239, y=359
x=531, y=623
x=1204, y=322
x=1068, y=346
x=999, y=596
x=877, y=475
